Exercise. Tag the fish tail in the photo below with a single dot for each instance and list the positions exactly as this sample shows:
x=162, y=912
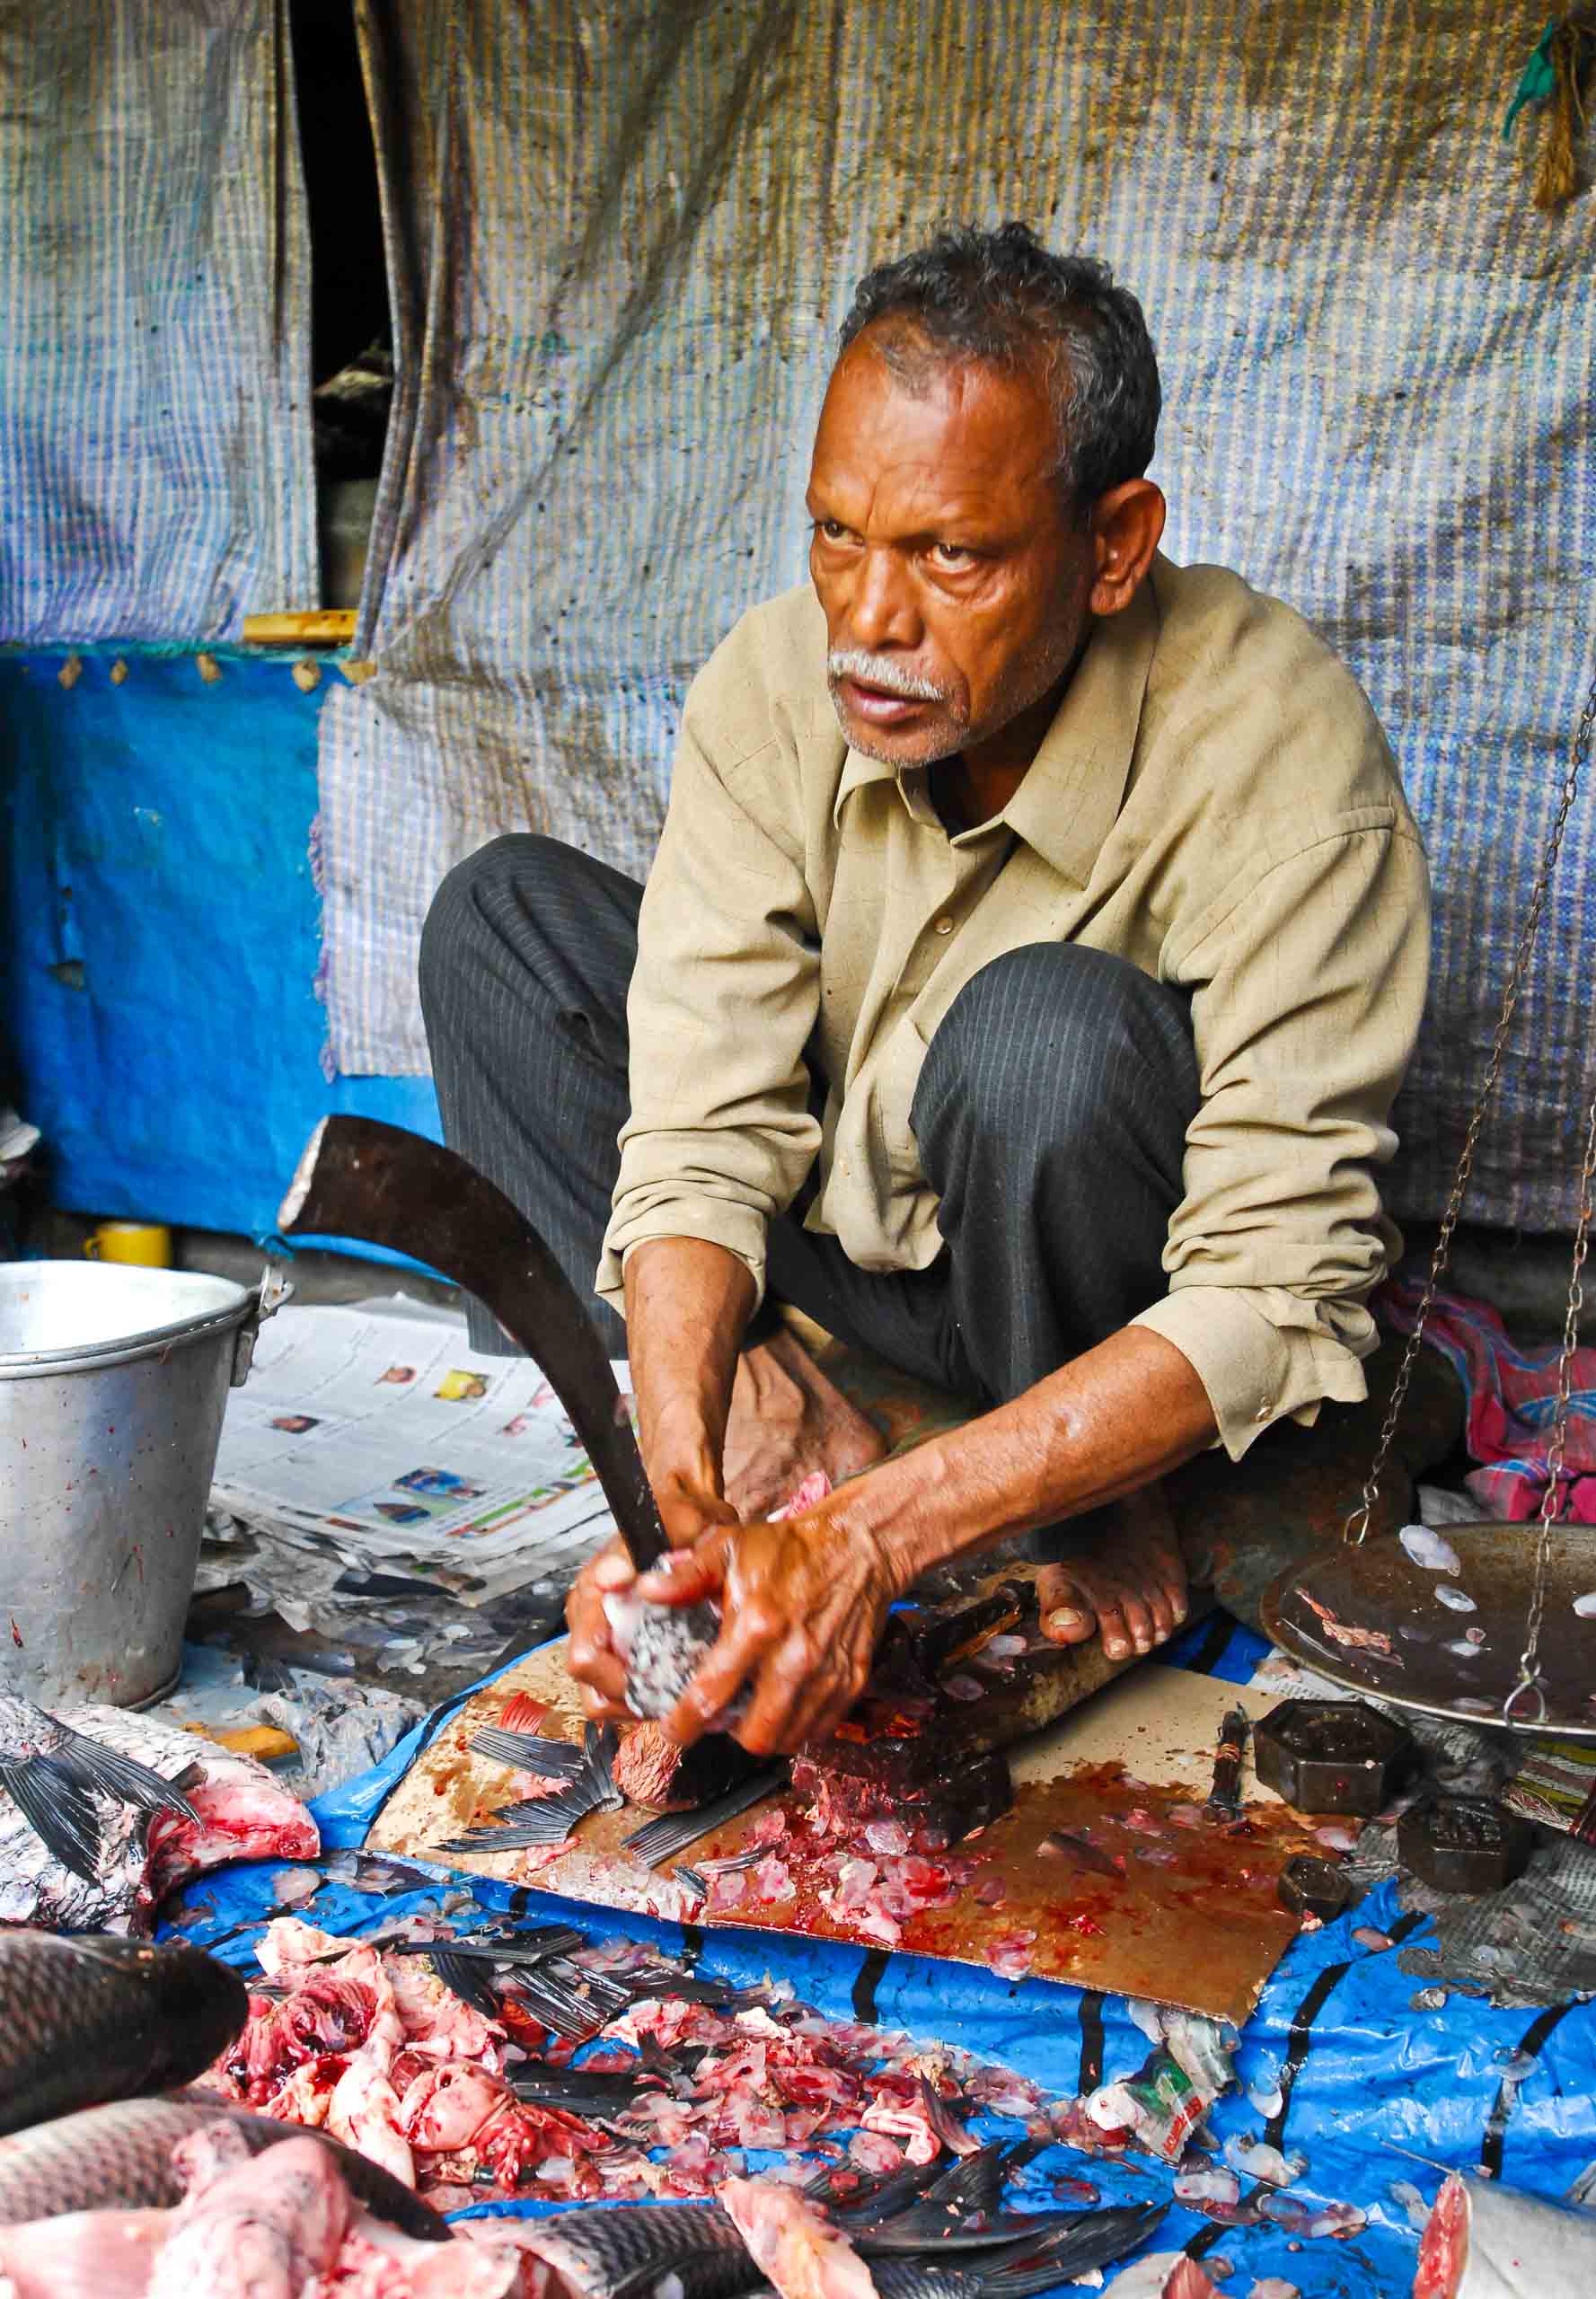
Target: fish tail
x=465, y=1979
x=1089, y=2242
x=55, y=1792
x=123, y=1778
x=60, y=1809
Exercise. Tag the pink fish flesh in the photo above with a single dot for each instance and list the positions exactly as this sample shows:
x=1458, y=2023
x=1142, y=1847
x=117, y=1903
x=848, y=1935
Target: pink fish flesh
x=804, y=2258
x=242, y=1813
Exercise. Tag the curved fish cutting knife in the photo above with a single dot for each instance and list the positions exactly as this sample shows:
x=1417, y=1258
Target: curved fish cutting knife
x=360, y=1178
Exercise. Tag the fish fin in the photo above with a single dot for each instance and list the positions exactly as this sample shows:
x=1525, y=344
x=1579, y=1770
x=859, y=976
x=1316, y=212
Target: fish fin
x=659, y=1840
x=122, y=1778
x=60, y=1810
x=974, y=2183
x=464, y=1979
x=885, y=2196
x=599, y=1747
x=530, y=1752
x=551, y=1822
x=1091, y=2240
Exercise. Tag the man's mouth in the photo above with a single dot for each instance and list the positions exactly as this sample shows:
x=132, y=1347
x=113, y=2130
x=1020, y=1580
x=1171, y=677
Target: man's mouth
x=879, y=704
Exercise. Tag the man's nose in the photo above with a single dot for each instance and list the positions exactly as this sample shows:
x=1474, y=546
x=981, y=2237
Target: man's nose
x=882, y=613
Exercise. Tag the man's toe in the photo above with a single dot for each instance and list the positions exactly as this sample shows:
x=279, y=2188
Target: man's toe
x=1066, y=1617
x=1116, y=1631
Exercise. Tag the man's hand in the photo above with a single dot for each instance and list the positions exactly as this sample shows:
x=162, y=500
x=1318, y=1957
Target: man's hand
x=687, y=1510
x=686, y=1306
x=590, y=1653
x=804, y=1602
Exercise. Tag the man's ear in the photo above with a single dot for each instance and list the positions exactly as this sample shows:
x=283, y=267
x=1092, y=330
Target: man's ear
x=1125, y=524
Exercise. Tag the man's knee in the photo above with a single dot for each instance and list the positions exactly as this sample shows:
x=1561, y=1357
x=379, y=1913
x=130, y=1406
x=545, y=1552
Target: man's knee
x=522, y=870
x=1056, y=1035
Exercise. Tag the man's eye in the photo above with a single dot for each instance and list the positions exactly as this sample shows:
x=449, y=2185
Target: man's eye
x=952, y=554
x=832, y=530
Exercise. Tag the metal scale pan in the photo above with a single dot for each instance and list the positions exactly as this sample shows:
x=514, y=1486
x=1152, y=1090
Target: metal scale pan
x=1366, y=1613
x=1378, y=1588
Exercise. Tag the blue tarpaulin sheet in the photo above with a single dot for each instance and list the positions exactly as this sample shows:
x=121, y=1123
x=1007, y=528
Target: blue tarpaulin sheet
x=1378, y=2092
x=160, y=931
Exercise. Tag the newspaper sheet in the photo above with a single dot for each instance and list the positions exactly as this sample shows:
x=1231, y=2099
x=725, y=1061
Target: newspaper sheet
x=379, y=1435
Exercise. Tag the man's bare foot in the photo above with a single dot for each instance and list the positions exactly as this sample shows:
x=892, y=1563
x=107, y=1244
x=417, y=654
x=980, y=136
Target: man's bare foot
x=1128, y=1584
x=787, y=1421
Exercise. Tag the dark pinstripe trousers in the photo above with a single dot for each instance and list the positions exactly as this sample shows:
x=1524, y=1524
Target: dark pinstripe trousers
x=1050, y=1118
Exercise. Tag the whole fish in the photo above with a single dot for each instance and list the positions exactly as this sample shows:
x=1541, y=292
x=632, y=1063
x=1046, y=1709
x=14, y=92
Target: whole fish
x=119, y=2157
x=604, y=2253
x=55, y=1776
x=87, y=2020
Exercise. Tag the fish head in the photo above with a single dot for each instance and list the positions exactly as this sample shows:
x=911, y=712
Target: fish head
x=202, y=2006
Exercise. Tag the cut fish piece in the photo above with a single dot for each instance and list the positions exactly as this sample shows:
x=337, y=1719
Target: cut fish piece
x=802, y=2256
x=1427, y=1548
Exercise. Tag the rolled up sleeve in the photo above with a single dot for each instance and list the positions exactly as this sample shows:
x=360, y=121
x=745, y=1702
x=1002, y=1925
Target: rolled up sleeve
x=1307, y=996
x=722, y=1002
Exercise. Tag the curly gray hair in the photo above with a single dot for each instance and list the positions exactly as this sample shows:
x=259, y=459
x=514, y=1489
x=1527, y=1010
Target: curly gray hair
x=1004, y=300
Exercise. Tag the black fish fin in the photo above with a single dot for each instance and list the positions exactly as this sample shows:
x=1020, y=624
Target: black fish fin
x=464, y=1979
x=60, y=1810
x=122, y=1778
x=1093, y=2239
x=884, y=2198
x=974, y=2182
x=530, y=1752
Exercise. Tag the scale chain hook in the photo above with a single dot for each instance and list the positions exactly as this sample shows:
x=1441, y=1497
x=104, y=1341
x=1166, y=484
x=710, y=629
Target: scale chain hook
x=1355, y=1530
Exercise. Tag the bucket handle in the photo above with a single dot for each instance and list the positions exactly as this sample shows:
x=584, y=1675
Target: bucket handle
x=266, y=1299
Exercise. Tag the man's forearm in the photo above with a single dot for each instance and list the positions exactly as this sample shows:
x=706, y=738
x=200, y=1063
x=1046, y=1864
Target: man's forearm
x=688, y=1303
x=1103, y=1426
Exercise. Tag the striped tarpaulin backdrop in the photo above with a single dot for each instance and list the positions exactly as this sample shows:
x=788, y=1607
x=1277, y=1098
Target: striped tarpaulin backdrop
x=155, y=477
x=621, y=237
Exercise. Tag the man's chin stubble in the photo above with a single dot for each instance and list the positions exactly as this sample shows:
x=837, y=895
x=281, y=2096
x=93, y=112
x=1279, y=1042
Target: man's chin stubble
x=925, y=747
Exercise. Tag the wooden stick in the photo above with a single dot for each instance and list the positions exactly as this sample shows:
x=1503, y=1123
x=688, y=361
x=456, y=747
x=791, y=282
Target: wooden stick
x=262, y=1740
x=320, y=627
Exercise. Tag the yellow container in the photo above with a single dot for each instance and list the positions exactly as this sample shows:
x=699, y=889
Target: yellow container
x=145, y=1244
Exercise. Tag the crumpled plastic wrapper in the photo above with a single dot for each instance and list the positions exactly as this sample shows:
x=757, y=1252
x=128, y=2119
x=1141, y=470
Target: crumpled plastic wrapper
x=341, y=1728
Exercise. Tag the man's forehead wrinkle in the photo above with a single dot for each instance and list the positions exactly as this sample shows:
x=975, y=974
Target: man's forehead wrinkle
x=955, y=462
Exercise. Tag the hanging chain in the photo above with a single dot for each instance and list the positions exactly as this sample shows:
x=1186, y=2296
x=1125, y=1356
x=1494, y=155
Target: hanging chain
x=1356, y=1527
x=1551, y=1500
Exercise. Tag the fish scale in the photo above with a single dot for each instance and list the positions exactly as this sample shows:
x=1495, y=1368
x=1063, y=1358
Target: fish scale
x=119, y=2158
x=615, y=2253
x=86, y=2021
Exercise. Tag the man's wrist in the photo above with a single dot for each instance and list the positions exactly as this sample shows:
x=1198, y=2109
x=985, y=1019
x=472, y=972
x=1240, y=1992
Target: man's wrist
x=894, y=1511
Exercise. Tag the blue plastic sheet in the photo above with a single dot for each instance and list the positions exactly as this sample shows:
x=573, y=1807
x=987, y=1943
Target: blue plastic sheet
x=1377, y=2091
x=160, y=933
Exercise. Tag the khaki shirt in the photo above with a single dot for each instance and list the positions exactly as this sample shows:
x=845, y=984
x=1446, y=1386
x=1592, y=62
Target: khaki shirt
x=1214, y=801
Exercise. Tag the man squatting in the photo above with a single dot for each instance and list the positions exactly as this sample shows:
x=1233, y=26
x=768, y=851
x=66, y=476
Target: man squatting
x=1036, y=943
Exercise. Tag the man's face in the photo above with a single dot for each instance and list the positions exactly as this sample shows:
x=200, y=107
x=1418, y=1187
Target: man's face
x=954, y=584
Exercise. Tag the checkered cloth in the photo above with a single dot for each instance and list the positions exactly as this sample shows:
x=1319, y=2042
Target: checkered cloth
x=1511, y=1395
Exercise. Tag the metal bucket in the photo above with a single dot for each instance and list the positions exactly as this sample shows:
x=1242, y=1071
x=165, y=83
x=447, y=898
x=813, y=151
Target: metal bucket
x=112, y=1383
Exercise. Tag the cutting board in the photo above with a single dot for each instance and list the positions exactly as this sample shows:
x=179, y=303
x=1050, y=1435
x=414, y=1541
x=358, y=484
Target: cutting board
x=1201, y=1931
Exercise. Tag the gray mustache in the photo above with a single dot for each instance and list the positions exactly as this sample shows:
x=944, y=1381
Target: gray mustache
x=881, y=671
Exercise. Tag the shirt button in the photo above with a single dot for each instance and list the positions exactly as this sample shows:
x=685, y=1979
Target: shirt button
x=943, y=926
x=1265, y=1411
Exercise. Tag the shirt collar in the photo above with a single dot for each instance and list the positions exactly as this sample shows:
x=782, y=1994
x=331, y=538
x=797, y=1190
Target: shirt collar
x=1067, y=802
